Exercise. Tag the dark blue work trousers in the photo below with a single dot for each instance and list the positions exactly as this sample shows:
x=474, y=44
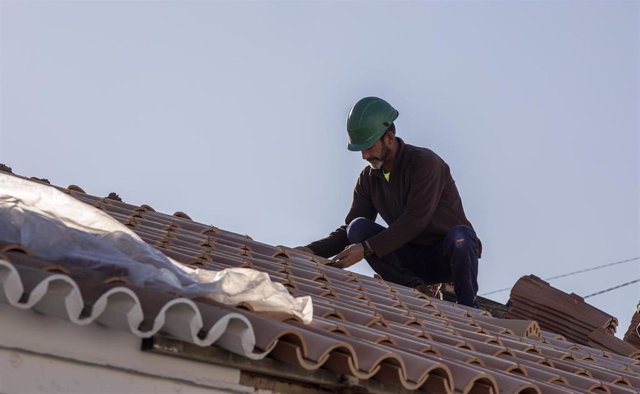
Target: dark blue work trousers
x=455, y=258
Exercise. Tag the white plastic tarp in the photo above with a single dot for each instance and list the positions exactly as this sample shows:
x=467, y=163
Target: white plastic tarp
x=57, y=227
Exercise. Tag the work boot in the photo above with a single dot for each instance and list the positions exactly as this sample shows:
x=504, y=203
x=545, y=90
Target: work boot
x=430, y=290
x=448, y=293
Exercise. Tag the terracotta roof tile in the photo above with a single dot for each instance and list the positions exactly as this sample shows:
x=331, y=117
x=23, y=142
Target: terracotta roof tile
x=632, y=336
x=363, y=327
x=566, y=314
x=601, y=339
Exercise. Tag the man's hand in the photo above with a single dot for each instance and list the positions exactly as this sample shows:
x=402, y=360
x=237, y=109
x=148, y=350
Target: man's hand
x=348, y=257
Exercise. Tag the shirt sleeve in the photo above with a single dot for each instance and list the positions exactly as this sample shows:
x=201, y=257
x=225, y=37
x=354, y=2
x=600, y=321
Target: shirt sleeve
x=361, y=206
x=428, y=178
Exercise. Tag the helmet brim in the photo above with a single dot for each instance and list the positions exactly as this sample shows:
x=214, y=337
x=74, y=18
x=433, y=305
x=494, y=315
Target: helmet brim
x=368, y=143
x=359, y=147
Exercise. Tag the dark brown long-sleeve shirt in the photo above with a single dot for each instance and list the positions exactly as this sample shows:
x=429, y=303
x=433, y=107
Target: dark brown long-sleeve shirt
x=420, y=202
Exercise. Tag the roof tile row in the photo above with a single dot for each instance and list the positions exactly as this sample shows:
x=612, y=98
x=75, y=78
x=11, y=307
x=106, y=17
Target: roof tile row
x=364, y=327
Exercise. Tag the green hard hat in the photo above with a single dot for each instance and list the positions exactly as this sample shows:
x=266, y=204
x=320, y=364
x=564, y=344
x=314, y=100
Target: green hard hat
x=368, y=119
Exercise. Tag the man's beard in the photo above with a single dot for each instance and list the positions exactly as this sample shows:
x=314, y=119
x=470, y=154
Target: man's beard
x=377, y=162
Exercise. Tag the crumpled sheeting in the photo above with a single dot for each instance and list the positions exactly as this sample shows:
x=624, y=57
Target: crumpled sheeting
x=58, y=227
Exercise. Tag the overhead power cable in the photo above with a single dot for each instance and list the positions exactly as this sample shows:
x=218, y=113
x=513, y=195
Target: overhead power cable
x=592, y=268
x=496, y=291
x=572, y=273
x=611, y=288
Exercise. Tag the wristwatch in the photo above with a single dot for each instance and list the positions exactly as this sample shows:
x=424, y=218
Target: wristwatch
x=367, y=251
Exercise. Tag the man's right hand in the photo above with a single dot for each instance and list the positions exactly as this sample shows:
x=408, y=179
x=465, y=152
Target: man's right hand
x=348, y=257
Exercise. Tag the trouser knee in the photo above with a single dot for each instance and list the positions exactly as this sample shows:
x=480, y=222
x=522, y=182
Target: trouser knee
x=361, y=229
x=463, y=240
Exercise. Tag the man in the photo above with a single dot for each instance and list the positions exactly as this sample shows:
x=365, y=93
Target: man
x=429, y=239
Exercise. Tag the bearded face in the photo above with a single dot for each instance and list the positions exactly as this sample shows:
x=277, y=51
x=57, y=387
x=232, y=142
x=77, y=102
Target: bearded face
x=376, y=155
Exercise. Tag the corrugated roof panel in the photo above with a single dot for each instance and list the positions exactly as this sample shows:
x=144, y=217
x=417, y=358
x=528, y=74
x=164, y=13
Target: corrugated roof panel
x=84, y=297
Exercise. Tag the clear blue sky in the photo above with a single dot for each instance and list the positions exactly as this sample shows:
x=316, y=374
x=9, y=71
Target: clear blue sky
x=234, y=112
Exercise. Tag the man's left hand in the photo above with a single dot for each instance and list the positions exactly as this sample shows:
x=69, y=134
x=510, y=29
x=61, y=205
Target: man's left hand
x=349, y=256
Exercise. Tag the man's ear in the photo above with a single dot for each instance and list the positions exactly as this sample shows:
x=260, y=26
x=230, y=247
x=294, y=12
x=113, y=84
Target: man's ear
x=388, y=137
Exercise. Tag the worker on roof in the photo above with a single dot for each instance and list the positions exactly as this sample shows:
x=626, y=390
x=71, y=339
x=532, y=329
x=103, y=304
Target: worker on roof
x=429, y=239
